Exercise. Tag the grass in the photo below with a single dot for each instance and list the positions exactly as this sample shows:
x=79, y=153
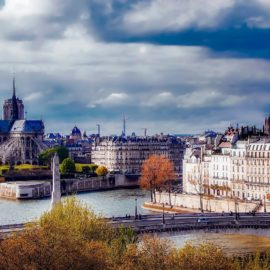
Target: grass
x=23, y=167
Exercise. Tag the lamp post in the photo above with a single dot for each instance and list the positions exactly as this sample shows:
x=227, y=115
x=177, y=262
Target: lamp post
x=136, y=209
x=236, y=208
x=163, y=214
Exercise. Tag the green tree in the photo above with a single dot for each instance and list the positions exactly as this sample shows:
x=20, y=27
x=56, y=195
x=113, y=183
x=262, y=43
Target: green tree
x=67, y=166
x=46, y=156
x=102, y=171
x=62, y=152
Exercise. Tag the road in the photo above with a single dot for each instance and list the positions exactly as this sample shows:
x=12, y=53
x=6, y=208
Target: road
x=194, y=221
x=169, y=222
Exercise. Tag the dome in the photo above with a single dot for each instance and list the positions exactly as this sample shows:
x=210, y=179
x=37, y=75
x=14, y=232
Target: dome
x=75, y=131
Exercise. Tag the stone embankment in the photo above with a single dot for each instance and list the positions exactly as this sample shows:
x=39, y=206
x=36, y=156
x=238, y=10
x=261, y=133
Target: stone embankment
x=159, y=207
x=177, y=202
x=42, y=189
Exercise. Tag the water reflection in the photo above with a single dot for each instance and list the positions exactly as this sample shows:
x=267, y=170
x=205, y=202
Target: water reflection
x=231, y=241
x=109, y=203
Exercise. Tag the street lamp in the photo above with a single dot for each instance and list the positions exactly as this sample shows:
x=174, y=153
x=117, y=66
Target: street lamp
x=264, y=203
x=236, y=208
x=163, y=215
x=136, y=209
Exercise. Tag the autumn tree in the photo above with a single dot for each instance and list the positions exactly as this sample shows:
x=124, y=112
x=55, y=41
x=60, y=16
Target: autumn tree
x=69, y=237
x=102, y=171
x=203, y=257
x=151, y=254
x=157, y=172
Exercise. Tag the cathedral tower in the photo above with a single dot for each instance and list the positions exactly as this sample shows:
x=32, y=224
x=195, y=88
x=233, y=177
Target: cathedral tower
x=14, y=112
x=13, y=109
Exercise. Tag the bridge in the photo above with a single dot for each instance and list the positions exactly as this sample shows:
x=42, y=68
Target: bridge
x=177, y=222
x=196, y=221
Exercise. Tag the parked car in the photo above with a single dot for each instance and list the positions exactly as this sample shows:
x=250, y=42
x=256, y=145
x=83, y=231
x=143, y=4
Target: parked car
x=203, y=220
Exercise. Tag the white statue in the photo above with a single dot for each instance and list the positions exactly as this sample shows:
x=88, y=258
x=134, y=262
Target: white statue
x=56, y=187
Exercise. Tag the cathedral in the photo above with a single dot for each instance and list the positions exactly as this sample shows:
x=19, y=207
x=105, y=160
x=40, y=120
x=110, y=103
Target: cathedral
x=21, y=140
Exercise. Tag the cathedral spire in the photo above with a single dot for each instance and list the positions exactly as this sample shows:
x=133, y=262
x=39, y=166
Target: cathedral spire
x=14, y=88
x=14, y=106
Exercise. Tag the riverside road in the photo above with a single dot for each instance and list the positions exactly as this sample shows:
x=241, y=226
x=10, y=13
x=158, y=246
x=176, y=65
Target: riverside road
x=198, y=221
x=179, y=222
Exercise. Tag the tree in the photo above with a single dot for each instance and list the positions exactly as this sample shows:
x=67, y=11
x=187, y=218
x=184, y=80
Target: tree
x=102, y=171
x=151, y=254
x=67, y=166
x=156, y=172
x=69, y=237
x=202, y=257
x=46, y=156
x=62, y=152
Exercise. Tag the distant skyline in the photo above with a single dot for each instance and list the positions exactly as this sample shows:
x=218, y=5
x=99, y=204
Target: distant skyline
x=174, y=66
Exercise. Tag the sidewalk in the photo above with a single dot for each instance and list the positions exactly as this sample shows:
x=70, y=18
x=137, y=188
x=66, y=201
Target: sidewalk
x=158, y=207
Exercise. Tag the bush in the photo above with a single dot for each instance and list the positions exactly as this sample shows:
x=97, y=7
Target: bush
x=102, y=171
x=67, y=166
x=82, y=168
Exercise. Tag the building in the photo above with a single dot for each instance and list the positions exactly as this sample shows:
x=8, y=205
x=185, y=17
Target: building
x=126, y=154
x=266, y=126
x=237, y=170
x=21, y=141
x=25, y=190
x=7, y=107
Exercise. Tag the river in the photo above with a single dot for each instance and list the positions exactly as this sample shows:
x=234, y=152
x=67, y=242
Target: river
x=122, y=202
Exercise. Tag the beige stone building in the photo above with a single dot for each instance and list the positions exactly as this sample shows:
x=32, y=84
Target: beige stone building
x=127, y=154
x=240, y=171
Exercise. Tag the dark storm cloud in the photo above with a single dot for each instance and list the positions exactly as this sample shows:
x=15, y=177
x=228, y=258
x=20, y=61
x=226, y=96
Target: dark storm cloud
x=167, y=68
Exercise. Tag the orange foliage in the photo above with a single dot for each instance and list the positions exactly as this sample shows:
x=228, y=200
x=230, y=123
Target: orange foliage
x=157, y=171
x=33, y=249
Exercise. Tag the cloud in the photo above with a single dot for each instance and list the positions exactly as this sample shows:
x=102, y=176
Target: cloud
x=37, y=20
x=33, y=96
x=82, y=75
x=197, y=99
x=148, y=17
x=174, y=15
x=113, y=99
x=66, y=72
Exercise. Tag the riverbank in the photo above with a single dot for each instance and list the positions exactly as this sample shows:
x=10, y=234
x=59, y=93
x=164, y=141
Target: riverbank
x=158, y=207
x=192, y=202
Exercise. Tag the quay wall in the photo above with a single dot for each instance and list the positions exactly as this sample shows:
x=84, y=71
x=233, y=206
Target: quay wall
x=42, y=189
x=192, y=202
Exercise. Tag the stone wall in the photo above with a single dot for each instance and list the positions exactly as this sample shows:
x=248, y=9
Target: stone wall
x=211, y=205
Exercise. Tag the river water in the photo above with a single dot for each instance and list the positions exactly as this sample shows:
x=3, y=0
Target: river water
x=122, y=202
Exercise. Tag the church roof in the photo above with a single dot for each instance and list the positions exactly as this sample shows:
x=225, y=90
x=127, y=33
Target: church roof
x=28, y=126
x=4, y=126
x=76, y=131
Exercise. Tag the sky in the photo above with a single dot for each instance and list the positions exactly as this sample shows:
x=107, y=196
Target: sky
x=171, y=66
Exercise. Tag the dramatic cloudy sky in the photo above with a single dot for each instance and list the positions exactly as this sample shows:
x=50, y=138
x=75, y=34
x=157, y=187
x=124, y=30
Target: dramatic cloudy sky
x=173, y=66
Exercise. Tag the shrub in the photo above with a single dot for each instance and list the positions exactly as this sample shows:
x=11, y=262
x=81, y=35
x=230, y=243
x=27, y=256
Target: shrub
x=102, y=171
x=67, y=166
